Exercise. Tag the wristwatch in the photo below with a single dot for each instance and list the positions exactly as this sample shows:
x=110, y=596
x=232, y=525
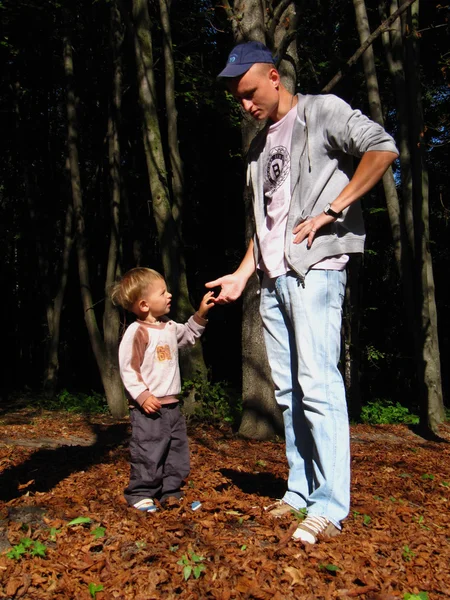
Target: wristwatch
x=330, y=212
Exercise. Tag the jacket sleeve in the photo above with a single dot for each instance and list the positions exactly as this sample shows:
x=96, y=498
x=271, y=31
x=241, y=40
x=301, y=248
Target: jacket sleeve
x=347, y=129
x=131, y=356
x=188, y=333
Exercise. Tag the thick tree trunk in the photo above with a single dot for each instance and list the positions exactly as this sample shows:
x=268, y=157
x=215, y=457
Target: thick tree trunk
x=192, y=361
x=113, y=389
x=111, y=322
x=176, y=165
x=251, y=20
x=432, y=413
x=390, y=190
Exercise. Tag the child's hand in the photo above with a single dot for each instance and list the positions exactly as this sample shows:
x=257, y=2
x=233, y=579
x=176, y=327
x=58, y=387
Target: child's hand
x=206, y=304
x=151, y=405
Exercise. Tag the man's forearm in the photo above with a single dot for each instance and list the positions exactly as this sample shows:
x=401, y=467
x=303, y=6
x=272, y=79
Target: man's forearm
x=247, y=266
x=371, y=169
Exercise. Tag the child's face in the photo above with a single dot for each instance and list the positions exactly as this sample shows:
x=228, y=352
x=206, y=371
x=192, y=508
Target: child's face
x=158, y=298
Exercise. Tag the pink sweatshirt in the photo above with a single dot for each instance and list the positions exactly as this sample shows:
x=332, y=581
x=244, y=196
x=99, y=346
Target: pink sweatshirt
x=148, y=357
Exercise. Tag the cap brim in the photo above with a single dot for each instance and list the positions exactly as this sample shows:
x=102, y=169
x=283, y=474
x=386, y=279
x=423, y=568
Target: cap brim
x=234, y=70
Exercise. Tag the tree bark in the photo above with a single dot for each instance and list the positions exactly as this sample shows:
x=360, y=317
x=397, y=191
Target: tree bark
x=261, y=417
x=108, y=374
x=432, y=406
x=111, y=321
x=176, y=165
x=191, y=361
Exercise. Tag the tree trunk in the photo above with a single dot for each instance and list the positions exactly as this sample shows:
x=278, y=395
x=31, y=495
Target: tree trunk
x=111, y=321
x=191, y=361
x=54, y=310
x=176, y=165
x=390, y=190
x=261, y=417
x=352, y=347
x=432, y=406
x=113, y=389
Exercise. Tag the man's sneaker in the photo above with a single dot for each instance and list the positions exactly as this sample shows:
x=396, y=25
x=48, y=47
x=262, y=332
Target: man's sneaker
x=279, y=509
x=146, y=505
x=312, y=527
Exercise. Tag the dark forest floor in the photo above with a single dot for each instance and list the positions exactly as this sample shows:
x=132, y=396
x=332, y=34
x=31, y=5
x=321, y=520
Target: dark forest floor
x=55, y=468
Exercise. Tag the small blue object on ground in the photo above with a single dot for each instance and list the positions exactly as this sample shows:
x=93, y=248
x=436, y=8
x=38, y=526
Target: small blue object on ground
x=196, y=505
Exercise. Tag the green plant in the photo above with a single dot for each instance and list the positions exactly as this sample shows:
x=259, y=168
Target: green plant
x=333, y=569
x=98, y=532
x=299, y=514
x=79, y=521
x=211, y=402
x=27, y=547
x=419, y=596
x=94, y=588
x=93, y=403
x=192, y=565
x=383, y=412
x=407, y=554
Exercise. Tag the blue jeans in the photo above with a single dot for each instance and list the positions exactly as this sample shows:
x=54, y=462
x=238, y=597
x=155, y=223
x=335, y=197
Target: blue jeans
x=302, y=332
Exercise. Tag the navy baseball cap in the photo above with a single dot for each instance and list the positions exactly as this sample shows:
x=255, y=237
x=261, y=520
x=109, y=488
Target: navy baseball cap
x=244, y=56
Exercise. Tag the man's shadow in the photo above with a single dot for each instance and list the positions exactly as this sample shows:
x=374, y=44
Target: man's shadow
x=47, y=467
x=261, y=484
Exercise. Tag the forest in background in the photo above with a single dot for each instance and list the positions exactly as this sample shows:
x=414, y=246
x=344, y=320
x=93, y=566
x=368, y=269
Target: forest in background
x=72, y=93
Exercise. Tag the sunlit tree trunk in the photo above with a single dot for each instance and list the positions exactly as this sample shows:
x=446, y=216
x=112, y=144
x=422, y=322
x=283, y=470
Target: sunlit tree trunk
x=169, y=237
x=390, y=191
x=176, y=165
x=108, y=374
x=401, y=48
x=432, y=407
x=111, y=314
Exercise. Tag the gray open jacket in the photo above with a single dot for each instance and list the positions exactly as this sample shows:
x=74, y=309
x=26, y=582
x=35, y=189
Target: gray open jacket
x=327, y=134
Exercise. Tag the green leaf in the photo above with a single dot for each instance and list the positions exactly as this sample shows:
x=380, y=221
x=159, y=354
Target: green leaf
x=94, y=588
x=98, y=532
x=196, y=557
x=16, y=552
x=187, y=572
x=330, y=568
x=38, y=549
x=198, y=570
x=79, y=521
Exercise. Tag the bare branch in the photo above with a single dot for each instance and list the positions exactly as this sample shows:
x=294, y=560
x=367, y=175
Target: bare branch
x=383, y=27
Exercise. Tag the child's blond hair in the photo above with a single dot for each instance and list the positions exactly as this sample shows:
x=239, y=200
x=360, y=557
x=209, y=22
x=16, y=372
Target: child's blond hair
x=131, y=286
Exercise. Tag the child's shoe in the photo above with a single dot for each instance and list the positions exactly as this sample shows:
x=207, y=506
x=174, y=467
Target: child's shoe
x=146, y=505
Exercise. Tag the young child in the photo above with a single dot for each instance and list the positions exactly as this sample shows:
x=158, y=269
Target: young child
x=148, y=359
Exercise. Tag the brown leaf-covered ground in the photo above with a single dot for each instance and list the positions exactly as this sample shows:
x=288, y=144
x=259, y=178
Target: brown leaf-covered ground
x=57, y=467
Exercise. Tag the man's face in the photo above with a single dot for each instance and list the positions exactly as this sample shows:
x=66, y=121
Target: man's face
x=257, y=91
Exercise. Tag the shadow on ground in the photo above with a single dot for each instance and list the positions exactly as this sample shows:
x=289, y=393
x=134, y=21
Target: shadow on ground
x=47, y=467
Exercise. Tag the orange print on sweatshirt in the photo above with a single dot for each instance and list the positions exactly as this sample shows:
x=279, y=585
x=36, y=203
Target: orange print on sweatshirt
x=163, y=353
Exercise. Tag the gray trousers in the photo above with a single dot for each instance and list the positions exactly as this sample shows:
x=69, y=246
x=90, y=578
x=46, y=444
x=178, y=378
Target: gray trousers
x=159, y=452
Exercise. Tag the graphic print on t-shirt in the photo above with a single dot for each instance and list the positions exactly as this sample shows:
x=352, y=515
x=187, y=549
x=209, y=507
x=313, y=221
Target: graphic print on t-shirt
x=277, y=169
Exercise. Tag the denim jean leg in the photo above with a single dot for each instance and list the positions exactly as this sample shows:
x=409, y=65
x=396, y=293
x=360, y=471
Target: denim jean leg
x=315, y=311
x=280, y=345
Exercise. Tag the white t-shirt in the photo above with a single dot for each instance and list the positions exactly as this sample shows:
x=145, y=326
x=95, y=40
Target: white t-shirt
x=277, y=196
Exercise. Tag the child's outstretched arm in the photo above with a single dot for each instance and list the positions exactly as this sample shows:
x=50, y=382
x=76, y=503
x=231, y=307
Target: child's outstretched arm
x=206, y=304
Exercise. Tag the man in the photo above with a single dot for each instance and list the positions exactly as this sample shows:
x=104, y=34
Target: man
x=307, y=221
